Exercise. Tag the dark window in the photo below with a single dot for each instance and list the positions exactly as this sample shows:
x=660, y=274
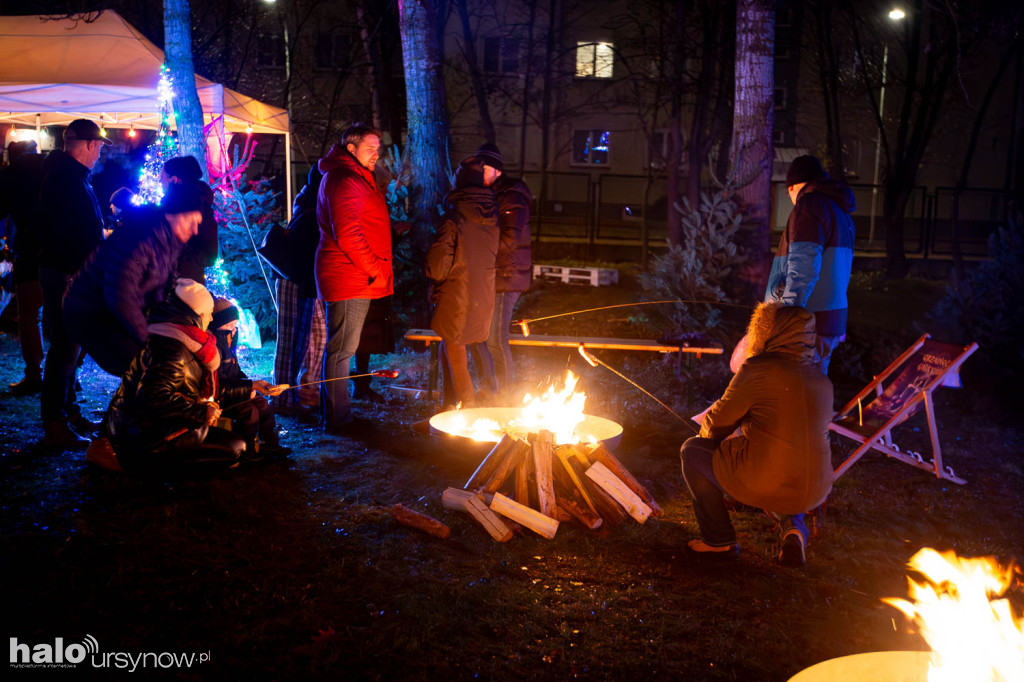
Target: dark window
x=780, y=98
x=591, y=147
x=501, y=55
x=331, y=51
x=270, y=52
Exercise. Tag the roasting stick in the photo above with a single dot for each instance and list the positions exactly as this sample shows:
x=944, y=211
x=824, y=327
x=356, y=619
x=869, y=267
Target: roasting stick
x=524, y=324
x=381, y=373
x=594, y=361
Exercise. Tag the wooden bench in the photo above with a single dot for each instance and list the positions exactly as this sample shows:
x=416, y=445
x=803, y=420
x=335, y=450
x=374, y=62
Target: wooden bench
x=430, y=337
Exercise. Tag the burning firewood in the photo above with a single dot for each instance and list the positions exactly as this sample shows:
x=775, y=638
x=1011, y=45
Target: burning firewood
x=415, y=519
x=601, y=454
x=619, y=491
x=534, y=520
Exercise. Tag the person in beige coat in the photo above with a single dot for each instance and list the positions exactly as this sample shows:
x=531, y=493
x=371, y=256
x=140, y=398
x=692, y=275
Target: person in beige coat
x=782, y=405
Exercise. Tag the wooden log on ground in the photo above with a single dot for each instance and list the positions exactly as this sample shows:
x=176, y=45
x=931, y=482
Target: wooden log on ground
x=490, y=462
x=619, y=491
x=602, y=455
x=541, y=524
x=454, y=499
x=542, y=447
x=491, y=522
x=415, y=519
x=607, y=508
x=507, y=466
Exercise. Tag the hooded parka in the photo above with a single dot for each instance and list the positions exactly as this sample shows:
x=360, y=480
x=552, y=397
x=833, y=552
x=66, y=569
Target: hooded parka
x=461, y=260
x=783, y=405
x=514, y=264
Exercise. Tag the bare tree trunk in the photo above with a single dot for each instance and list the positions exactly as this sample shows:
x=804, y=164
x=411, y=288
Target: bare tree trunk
x=469, y=52
x=752, y=152
x=828, y=73
x=675, y=124
x=188, y=112
x=427, y=116
x=527, y=83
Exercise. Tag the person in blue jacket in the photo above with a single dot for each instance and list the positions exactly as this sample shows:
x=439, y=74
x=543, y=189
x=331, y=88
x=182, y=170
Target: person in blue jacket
x=811, y=268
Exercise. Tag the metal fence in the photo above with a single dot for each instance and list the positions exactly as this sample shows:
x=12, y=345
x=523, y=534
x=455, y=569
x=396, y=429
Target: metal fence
x=632, y=210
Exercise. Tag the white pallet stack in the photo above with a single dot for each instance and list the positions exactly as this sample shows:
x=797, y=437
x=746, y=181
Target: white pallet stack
x=595, y=277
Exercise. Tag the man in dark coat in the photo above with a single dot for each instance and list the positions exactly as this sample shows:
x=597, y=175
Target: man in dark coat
x=70, y=228
x=163, y=414
x=782, y=404
x=106, y=303
x=301, y=325
x=811, y=268
x=514, y=264
x=353, y=260
x=460, y=264
x=19, y=190
x=202, y=249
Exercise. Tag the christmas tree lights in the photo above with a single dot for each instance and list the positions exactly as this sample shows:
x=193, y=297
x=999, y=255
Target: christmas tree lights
x=163, y=147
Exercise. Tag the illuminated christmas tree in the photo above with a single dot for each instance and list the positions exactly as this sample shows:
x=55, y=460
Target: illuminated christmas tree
x=163, y=147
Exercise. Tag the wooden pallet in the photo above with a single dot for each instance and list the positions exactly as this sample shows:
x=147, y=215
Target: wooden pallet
x=595, y=277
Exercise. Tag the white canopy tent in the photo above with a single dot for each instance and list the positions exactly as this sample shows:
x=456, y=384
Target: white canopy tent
x=54, y=70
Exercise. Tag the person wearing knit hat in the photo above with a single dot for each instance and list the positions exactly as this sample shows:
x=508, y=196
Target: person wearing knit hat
x=812, y=265
x=492, y=157
x=164, y=414
x=183, y=177
x=251, y=417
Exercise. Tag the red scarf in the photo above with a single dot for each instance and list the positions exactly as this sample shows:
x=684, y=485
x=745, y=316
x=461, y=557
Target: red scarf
x=203, y=345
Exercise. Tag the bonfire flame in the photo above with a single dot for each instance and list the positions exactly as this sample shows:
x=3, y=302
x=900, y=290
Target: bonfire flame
x=559, y=410
x=971, y=636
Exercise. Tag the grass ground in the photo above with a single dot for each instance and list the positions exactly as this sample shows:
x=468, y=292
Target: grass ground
x=294, y=570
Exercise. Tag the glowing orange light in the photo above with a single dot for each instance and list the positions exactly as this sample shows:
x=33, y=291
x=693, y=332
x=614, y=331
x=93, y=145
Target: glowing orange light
x=131, y=132
x=248, y=129
x=524, y=326
x=587, y=356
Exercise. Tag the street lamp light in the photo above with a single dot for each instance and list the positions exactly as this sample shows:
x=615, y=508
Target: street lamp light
x=896, y=14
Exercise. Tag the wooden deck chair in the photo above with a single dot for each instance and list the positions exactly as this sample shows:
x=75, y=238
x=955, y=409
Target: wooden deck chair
x=926, y=365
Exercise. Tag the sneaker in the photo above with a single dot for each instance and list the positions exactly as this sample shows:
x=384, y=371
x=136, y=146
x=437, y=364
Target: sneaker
x=368, y=395
x=26, y=386
x=698, y=546
x=83, y=426
x=793, y=551
x=58, y=434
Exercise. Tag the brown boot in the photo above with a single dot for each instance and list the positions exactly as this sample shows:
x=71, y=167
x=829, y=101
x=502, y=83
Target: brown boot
x=58, y=434
x=101, y=453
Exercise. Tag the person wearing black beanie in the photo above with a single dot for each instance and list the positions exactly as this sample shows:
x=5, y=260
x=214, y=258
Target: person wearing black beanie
x=202, y=250
x=812, y=265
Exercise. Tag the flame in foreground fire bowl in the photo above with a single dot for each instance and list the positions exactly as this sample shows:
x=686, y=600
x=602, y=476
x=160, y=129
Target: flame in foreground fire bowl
x=972, y=636
x=559, y=410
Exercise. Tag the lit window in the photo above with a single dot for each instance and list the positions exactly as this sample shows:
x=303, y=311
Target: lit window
x=594, y=60
x=270, y=52
x=501, y=55
x=590, y=147
x=331, y=51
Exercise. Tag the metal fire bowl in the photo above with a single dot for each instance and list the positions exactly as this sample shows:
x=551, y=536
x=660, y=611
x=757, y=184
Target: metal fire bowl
x=609, y=433
x=877, y=666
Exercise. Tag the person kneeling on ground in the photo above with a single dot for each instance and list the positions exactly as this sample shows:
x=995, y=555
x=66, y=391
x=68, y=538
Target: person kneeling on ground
x=253, y=418
x=163, y=414
x=782, y=404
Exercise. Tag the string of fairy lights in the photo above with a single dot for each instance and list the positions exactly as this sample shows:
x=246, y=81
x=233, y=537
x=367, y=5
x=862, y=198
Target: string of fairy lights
x=163, y=147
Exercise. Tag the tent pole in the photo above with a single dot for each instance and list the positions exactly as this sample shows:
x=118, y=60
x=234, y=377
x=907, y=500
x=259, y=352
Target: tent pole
x=288, y=173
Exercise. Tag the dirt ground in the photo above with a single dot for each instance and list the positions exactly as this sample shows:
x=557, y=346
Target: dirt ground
x=295, y=570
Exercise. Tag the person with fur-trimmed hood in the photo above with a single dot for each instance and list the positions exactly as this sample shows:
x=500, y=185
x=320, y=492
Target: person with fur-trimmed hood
x=782, y=404
x=163, y=414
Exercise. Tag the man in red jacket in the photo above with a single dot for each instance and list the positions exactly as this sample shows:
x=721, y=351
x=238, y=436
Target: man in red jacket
x=353, y=260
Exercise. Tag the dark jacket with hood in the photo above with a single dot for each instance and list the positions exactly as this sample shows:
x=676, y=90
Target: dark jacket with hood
x=514, y=264
x=304, y=233
x=20, y=190
x=127, y=274
x=161, y=395
x=461, y=260
x=353, y=259
x=783, y=404
x=70, y=220
x=812, y=266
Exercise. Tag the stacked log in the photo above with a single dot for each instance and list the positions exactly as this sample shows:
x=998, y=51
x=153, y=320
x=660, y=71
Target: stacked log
x=548, y=484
